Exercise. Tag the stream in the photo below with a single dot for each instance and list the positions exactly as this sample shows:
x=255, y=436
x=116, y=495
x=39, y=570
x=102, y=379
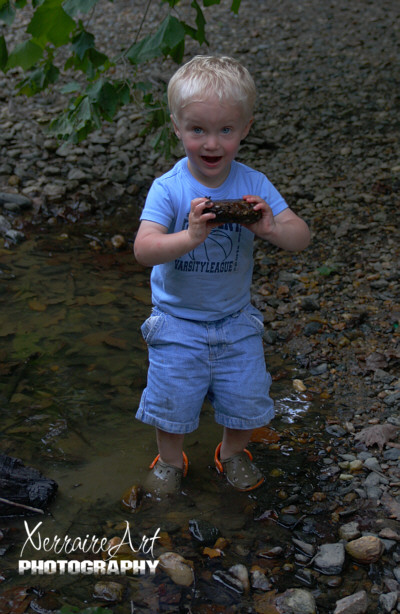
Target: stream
x=73, y=366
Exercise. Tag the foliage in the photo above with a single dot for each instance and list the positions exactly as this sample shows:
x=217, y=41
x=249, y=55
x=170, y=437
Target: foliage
x=59, y=28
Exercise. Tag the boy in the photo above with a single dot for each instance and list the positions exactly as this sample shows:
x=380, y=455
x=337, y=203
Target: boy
x=204, y=337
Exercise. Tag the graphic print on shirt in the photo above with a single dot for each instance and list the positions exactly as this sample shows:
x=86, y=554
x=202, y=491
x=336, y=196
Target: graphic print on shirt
x=219, y=253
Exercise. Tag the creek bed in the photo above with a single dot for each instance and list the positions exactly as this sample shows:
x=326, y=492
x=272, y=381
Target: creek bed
x=73, y=367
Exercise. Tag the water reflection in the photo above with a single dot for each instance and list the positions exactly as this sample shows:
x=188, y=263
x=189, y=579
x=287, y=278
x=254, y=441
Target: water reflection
x=292, y=407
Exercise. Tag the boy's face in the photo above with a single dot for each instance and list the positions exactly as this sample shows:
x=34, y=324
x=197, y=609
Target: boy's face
x=211, y=132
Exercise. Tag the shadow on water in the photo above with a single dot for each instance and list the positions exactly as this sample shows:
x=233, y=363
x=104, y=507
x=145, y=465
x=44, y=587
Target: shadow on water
x=73, y=365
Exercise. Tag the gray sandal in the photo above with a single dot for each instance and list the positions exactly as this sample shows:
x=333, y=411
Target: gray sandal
x=239, y=470
x=165, y=479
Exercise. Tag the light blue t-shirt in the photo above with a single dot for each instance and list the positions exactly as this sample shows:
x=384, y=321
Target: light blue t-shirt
x=212, y=281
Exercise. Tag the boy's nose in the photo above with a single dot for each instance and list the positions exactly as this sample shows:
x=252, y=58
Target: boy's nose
x=212, y=142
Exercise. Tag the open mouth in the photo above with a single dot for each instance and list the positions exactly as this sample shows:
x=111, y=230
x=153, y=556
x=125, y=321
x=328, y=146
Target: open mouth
x=211, y=159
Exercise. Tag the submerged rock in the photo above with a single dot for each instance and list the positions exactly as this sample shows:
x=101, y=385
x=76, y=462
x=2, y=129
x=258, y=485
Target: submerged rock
x=259, y=580
x=203, y=531
x=177, y=568
x=240, y=572
x=109, y=591
x=229, y=580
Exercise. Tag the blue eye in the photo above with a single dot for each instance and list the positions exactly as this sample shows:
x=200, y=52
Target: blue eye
x=197, y=130
x=226, y=130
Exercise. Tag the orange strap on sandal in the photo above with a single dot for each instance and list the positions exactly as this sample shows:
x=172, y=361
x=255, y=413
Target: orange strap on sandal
x=218, y=463
x=185, y=463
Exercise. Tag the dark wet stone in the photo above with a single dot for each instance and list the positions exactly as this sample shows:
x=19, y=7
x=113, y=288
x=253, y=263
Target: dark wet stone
x=17, y=199
x=228, y=580
x=391, y=454
x=335, y=430
x=310, y=304
x=203, y=531
x=312, y=328
x=270, y=337
x=305, y=576
x=319, y=369
x=288, y=520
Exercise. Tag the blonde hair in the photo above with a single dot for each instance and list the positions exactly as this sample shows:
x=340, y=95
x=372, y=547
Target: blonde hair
x=205, y=75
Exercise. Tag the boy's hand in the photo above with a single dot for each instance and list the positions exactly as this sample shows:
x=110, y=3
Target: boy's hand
x=285, y=230
x=200, y=224
x=266, y=224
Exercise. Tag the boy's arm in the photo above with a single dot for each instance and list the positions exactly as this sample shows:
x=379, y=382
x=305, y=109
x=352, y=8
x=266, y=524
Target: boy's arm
x=285, y=230
x=154, y=245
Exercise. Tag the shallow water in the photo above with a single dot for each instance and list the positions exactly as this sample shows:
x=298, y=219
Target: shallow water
x=73, y=365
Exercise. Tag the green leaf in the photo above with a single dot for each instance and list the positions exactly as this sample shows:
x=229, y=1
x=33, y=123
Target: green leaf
x=178, y=52
x=20, y=4
x=25, y=55
x=235, y=6
x=50, y=23
x=71, y=88
x=200, y=35
x=75, y=124
x=73, y=7
x=168, y=37
x=91, y=61
x=39, y=79
x=210, y=2
x=81, y=43
x=3, y=53
x=124, y=93
x=7, y=13
x=97, y=58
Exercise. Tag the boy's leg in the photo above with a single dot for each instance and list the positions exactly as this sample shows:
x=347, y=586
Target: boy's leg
x=233, y=442
x=170, y=447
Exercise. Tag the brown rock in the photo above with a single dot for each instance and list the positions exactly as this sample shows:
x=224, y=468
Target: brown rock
x=367, y=549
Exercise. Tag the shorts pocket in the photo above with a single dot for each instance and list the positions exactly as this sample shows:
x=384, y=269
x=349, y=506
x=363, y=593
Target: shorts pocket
x=150, y=326
x=254, y=316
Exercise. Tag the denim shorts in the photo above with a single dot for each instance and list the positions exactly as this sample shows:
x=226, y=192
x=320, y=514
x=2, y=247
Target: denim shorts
x=190, y=361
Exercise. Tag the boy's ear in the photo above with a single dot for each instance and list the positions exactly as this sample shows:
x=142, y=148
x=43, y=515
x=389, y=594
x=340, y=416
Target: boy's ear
x=176, y=129
x=246, y=129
